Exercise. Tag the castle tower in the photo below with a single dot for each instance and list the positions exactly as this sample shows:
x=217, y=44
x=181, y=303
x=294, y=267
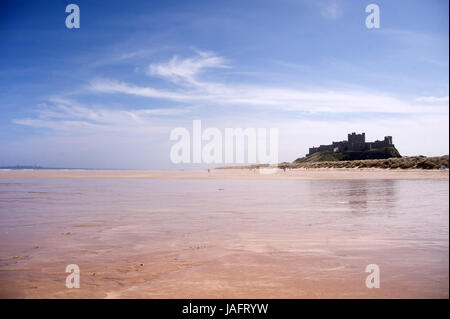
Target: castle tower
x=388, y=140
x=357, y=138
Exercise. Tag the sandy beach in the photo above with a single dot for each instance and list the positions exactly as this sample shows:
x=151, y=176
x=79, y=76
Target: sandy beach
x=224, y=234
x=305, y=174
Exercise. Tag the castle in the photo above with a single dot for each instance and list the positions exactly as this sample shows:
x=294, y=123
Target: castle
x=355, y=142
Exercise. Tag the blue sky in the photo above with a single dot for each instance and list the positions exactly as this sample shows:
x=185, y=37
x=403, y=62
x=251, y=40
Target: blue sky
x=108, y=94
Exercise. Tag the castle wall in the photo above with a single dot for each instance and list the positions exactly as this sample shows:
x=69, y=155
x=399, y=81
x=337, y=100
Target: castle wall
x=387, y=142
x=356, y=142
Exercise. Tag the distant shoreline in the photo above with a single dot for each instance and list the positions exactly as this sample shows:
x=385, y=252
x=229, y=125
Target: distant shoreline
x=38, y=168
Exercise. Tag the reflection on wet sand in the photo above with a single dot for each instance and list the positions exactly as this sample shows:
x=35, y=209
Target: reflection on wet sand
x=243, y=238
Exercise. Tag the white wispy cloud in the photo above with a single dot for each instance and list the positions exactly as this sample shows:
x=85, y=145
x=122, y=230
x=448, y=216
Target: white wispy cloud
x=413, y=37
x=186, y=73
x=433, y=99
x=330, y=9
x=67, y=115
x=114, y=58
x=187, y=69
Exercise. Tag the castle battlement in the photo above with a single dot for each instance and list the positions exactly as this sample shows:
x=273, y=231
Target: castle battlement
x=355, y=142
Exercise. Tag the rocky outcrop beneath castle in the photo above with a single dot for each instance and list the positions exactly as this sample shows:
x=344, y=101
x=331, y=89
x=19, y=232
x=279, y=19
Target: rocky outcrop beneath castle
x=409, y=162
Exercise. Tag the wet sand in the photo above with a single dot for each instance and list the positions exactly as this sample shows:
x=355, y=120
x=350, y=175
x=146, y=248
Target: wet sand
x=299, y=173
x=224, y=234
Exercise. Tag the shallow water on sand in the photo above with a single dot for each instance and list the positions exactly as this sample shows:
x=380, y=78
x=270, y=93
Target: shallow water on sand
x=194, y=238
